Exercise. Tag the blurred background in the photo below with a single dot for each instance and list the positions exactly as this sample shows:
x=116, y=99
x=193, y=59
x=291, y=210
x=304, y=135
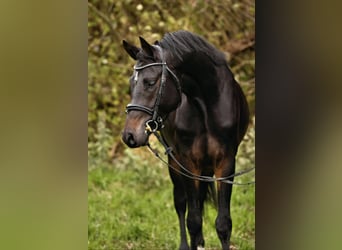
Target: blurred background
x=130, y=204
x=54, y=195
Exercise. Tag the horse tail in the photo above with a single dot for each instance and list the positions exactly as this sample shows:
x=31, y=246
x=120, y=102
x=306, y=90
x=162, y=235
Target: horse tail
x=210, y=194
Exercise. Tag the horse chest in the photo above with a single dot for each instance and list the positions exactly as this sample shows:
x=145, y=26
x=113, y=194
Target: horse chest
x=205, y=148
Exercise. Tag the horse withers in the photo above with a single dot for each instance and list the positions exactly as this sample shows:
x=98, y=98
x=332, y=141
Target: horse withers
x=182, y=88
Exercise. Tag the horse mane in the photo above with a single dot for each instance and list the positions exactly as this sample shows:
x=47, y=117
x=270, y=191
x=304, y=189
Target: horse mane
x=182, y=43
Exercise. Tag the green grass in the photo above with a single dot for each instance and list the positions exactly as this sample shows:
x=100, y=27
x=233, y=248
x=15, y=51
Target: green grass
x=131, y=207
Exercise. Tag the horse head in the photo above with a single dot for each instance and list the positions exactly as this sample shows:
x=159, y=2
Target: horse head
x=155, y=92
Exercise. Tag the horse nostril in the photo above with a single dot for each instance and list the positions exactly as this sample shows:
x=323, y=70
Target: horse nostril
x=130, y=140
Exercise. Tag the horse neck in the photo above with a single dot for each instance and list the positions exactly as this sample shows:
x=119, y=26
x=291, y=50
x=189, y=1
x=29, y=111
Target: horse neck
x=202, y=78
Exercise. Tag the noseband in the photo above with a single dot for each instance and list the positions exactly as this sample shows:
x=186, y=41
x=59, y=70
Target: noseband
x=156, y=122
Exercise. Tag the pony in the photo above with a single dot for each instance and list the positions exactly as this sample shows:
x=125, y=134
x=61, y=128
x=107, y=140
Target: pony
x=183, y=89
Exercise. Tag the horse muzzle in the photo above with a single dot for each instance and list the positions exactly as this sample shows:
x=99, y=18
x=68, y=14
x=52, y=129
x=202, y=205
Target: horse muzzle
x=133, y=140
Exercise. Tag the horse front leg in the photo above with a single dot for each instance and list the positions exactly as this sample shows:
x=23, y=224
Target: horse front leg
x=194, y=219
x=180, y=202
x=223, y=221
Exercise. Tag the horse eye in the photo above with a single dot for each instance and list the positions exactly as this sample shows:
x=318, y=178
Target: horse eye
x=149, y=82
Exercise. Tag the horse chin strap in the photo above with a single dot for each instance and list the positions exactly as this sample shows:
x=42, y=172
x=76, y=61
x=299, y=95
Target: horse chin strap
x=156, y=122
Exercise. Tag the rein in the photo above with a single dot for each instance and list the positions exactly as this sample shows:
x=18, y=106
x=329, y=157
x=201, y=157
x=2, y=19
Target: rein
x=189, y=174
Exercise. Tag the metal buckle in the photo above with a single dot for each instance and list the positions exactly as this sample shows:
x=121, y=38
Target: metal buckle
x=151, y=126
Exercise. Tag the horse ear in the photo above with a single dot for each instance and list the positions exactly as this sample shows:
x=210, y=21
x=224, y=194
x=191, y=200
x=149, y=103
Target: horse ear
x=147, y=48
x=130, y=49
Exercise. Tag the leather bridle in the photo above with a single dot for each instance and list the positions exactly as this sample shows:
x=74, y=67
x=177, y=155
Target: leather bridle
x=156, y=121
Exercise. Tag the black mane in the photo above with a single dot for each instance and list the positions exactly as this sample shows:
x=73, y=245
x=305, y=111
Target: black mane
x=182, y=43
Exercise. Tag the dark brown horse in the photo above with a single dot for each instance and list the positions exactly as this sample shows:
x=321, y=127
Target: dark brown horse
x=183, y=88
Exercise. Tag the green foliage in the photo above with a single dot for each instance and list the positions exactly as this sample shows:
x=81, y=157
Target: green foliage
x=98, y=149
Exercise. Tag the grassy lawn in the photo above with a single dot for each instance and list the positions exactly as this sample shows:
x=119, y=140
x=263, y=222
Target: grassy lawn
x=131, y=207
